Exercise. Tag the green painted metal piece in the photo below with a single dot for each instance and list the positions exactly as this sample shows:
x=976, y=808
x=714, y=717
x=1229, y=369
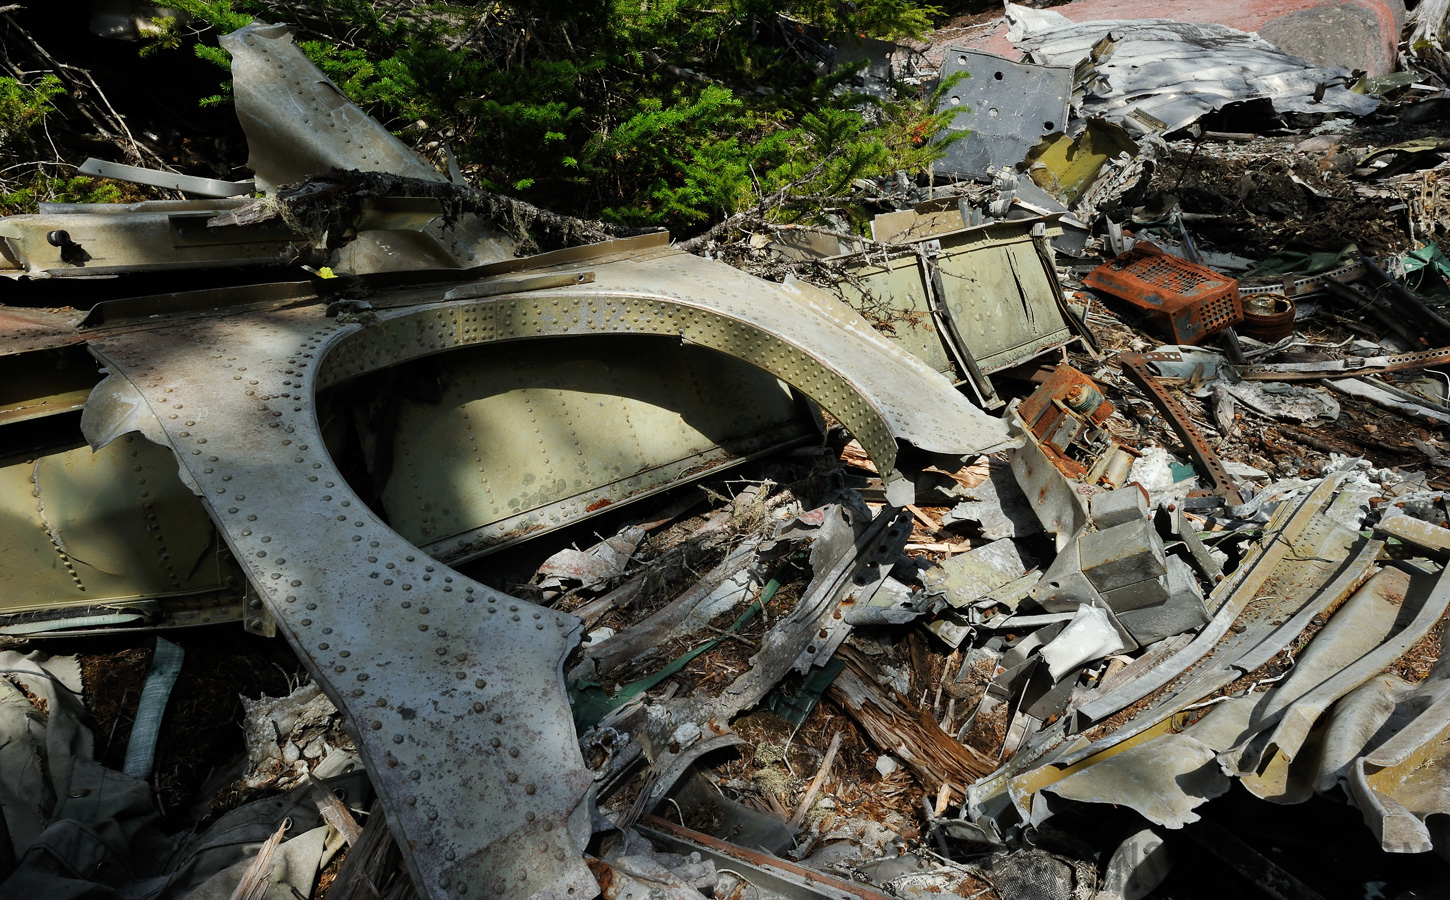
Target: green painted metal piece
x=969, y=301
x=111, y=534
x=530, y=437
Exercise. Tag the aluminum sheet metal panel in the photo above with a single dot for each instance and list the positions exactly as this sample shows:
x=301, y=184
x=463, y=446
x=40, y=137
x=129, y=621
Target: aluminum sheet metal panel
x=893, y=296
x=454, y=690
x=1006, y=107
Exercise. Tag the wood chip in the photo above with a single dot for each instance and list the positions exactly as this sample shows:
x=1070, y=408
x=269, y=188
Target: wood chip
x=820, y=779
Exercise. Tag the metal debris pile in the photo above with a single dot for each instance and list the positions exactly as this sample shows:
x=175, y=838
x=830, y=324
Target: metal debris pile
x=1056, y=541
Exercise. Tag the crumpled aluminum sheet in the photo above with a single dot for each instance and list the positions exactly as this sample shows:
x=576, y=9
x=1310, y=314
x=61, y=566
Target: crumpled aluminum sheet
x=1275, y=741
x=1177, y=72
x=1297, y=402
x=596, y=566
x=1396, y=736
x=1306, y=564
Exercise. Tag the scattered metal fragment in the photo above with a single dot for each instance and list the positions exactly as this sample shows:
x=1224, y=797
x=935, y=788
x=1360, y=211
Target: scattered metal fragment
x=1088, y=636
x=846, y=577
x=190, y=184
x=86, y=240
x=1139, y=865
x=1292, y=579
x=1154, y=75
x=1067, y=166
x=780, y=876
x=1423, y=535
x=1433, y=327
x=1383, y=395
x=1363, y=637
x=1136, y=369
x=595, y=567
x=968, y=577
x=1349, y=367
x=1298, y=402
x=166, y=663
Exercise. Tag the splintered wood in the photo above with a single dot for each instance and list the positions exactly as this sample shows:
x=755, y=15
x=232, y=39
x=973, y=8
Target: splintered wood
x=910, y=733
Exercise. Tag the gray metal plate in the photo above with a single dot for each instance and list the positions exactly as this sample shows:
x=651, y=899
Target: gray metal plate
x=1008, y=108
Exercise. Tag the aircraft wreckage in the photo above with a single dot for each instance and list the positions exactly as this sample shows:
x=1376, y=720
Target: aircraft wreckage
x=260, y=392
x=193, y=434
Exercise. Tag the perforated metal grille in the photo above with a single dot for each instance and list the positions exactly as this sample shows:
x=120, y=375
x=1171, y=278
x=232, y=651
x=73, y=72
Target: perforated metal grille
x=1196, y=301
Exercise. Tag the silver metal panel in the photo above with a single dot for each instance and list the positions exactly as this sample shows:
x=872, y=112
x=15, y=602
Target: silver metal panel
x=1008, y=108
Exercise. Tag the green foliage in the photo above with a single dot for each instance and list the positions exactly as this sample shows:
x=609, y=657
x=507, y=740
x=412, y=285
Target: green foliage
x=642, y=112
x=25, y=182
x=23, y=106
x=24, y=195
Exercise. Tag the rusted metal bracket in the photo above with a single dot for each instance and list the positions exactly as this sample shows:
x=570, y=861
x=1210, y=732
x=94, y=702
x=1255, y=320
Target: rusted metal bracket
x=1135, y=367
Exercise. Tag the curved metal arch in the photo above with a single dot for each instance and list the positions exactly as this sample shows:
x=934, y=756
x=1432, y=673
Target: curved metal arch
x=454, y=690
x=802, y=336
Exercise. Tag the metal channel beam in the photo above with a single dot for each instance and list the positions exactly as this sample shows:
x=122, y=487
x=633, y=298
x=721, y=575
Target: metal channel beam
x=454, y=690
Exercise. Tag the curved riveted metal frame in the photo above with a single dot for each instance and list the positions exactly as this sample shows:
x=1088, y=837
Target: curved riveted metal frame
x=547, y=314
x=454, y=690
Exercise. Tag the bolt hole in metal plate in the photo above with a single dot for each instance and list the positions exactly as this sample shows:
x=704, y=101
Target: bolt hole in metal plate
x=1008, y=107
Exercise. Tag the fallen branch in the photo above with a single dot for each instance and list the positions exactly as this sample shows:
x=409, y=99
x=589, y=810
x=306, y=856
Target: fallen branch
x=329, y=207
x=104, y=119
x=820, y=779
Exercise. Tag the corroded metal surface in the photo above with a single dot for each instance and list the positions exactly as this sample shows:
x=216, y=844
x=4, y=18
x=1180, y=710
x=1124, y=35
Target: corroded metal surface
x=453, y=689
x=99, y=538
x=1136, y=371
